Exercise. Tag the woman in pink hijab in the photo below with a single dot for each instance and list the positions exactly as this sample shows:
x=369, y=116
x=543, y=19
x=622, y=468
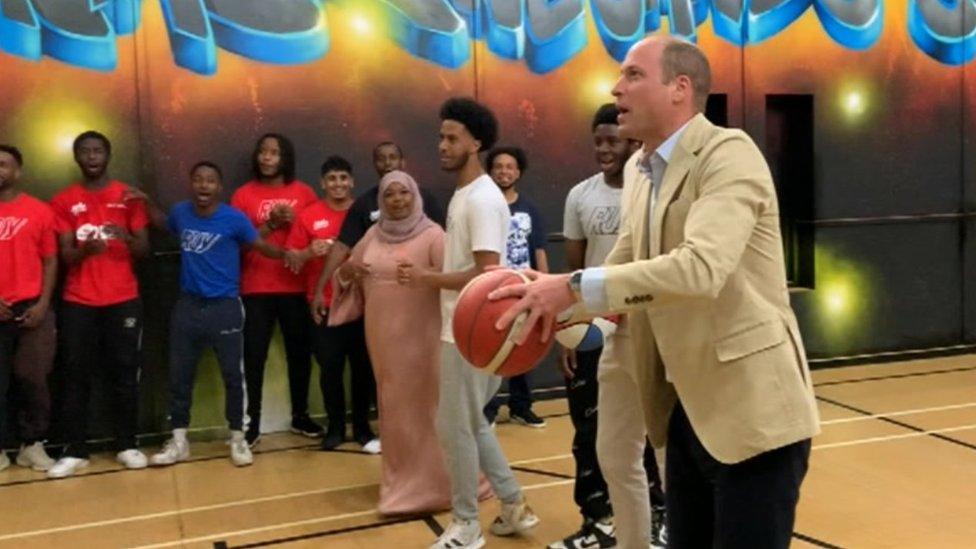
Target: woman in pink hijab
x=403, y=333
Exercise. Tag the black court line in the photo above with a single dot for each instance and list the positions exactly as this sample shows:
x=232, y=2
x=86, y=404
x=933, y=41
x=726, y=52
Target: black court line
x=815, y=541
x=542, y=472
x=434, y=526
x=902, y=424
x=124, y=470
x=220, y=545
x=327, y=533
x=895, y=376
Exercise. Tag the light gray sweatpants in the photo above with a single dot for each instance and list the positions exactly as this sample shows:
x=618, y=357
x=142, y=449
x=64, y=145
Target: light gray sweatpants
x=467, y=439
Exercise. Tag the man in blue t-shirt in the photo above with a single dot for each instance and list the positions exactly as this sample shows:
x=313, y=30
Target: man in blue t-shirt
x=526, y=248
x=209, y=312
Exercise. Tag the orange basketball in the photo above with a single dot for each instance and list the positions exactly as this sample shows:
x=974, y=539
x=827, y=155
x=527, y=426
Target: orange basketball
x=474, y=328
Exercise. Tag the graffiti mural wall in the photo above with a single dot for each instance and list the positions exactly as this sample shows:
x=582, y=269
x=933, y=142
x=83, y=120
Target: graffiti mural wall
x=889, y=86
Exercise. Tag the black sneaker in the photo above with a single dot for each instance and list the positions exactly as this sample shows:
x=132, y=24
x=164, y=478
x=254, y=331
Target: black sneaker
x=528, y=418
x=303, y=425
x=333, y=439
x=592, y=535
x=659, y=529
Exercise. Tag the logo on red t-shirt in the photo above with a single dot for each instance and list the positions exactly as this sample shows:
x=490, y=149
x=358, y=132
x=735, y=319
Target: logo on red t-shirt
x=264, y=209
x=78, y=209
x=89, y=231
x=10, y=226
x=320, y=225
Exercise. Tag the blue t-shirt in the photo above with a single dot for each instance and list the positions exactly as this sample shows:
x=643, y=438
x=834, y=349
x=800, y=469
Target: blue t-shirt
x=210, y=249
x=526, y=234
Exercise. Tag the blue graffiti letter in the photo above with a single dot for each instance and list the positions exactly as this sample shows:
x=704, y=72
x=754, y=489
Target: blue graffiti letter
x=556, y=33
x=946, y=31
x=854, y=24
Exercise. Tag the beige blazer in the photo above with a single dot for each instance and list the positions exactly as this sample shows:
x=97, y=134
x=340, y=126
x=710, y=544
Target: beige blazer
x=704, y=284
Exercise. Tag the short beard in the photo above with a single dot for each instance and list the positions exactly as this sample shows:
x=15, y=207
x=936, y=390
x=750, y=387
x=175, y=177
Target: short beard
x=457, y=167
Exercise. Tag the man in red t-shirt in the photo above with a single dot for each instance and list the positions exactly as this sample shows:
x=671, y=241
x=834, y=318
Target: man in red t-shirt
x=100, y=235
x=309, y=243
x=270, y=292
x=29, y=253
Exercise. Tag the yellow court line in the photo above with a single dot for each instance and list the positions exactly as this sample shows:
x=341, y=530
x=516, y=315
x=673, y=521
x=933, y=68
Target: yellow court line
x=899, y=413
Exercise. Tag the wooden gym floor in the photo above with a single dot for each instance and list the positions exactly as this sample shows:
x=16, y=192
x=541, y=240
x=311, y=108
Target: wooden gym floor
x=894, y=467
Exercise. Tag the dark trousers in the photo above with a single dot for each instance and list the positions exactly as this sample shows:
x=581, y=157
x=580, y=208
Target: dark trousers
x=333, y=346
x=100, y=340
x=751, y=504
x=198, y=323
x=26, y=359
x=590, y=490
x=261, y=313
x=519, y=398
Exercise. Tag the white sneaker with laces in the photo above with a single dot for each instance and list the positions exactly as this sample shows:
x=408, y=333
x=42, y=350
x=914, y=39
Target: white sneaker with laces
x=34, y=457
x=174, y=451
x=515, y=518
x=460, y=534
x=132, y=459
x=240, y=452
x=373, y=447
x=66, y=467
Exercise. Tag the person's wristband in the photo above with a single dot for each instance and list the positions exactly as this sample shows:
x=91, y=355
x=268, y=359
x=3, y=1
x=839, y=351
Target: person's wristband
x=575, y=284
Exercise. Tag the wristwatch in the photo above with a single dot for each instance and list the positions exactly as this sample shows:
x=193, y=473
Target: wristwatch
x=575, y=284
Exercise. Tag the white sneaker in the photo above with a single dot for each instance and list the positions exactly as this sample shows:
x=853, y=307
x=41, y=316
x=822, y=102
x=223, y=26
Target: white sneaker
x=66, y=467
x=515, y=518
x=34, y=457
x=460, y=534
x=132, y=459
x=4, y=460
x=175, y=450
x=240, y=452
x=592, y=535
x=373, y=447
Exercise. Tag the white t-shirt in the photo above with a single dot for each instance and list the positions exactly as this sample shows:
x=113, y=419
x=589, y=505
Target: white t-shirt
x=477, y=221
x=593, y=214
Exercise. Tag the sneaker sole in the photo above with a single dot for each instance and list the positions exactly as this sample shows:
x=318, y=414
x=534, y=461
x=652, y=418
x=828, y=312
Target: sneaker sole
x=83, y=465
x=525, y=423
x=168, y=463
x=27, y=464
x=131, y=468
x=309, y=434
x=510, y=530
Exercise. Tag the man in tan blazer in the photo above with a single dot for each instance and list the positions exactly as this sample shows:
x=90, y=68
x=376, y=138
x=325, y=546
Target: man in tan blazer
x=699, y=268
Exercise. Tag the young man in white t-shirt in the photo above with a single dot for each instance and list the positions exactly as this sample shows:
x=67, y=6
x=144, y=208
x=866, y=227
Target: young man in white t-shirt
x=477, y=232
x=591, y=222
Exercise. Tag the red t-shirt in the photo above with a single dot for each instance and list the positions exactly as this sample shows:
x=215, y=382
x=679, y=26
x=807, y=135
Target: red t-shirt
x=28, y=234
x=263, y=275
x=107, y=278
x=317, y=222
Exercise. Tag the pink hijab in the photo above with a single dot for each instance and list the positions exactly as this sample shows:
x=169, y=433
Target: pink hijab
x=395, y=231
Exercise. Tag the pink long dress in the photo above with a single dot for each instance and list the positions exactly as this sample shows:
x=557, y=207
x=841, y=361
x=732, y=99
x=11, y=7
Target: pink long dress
x=403, y=335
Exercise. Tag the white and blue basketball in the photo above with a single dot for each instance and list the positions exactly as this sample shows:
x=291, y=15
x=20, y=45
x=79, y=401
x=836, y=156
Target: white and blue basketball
x=587, y=336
